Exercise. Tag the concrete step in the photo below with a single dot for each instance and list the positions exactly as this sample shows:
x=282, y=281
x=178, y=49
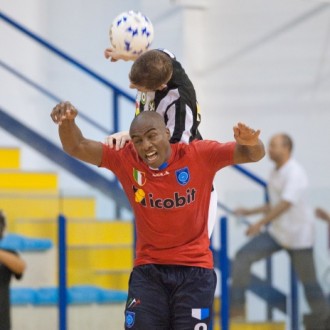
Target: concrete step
x=20, y=181
x=99, y=252
x=251, y=325
x=81, y=233
x=9, y=158
x=34, y=214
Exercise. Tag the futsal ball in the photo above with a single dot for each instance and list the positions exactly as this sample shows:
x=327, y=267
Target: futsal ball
x=131, y=32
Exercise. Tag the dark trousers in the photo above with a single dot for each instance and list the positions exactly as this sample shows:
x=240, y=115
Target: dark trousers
x=263, y=246
x=162, y=297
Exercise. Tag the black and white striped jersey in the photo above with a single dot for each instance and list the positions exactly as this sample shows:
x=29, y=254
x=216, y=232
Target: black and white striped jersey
x=177, y=104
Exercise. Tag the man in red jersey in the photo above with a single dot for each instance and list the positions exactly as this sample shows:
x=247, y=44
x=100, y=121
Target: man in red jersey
x=168, y=185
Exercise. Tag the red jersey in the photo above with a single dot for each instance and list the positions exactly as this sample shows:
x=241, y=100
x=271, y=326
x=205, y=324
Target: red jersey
x=171, y=205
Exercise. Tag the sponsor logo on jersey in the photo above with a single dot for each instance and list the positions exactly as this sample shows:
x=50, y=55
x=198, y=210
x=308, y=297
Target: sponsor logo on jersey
x=183, y=175
x=152, y=106
x=129, y=319
x=149, y=200
x=139, y=177
x=160, y=174
x=143, y=98
x=139, y=196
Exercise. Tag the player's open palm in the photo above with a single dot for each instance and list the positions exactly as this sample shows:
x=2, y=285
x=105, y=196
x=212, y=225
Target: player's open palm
x=245, y=135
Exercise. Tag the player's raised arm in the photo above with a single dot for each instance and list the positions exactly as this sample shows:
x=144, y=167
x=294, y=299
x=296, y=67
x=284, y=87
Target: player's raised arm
x=249, y=147
x=73, y=142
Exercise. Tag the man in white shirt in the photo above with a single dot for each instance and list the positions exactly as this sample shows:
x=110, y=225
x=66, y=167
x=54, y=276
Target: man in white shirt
x=291, y=227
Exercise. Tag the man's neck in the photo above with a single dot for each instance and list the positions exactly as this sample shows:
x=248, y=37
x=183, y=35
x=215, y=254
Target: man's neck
x=282, y=162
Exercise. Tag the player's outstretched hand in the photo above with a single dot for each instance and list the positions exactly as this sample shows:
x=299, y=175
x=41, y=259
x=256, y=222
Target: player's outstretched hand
x=63, y=111
x=244, y=135
x=254, y=229
x=117, y=140
x=114, y=55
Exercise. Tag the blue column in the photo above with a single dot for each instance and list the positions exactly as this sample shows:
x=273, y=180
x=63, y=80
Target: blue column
x=294, y=300
x=224, y=266
x=62, y=267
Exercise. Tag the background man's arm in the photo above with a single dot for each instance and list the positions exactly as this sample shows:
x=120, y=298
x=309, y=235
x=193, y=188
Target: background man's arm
x=12, y=261
x=271, y=215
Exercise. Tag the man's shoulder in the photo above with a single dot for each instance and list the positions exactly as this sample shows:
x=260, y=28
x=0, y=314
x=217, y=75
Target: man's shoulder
x=166, y=51
x=111, y=157
x=198, y=144
x=294, y=166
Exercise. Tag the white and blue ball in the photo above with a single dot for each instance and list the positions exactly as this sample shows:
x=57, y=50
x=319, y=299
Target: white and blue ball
x=131, y=32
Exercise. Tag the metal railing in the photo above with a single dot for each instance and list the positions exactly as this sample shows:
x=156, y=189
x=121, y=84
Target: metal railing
x=117, y=92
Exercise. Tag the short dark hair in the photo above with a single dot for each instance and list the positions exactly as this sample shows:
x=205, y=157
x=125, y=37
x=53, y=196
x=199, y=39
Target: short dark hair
x=287, y=141
x=151, y=69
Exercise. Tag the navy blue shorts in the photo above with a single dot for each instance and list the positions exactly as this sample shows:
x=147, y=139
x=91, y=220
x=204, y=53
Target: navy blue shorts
x=162, y=297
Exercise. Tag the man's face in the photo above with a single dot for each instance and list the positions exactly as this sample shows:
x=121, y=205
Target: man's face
x=276, y=149
x=151, y=143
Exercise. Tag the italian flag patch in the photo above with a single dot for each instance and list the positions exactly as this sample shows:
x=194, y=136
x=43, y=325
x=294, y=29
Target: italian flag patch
x=139, y=177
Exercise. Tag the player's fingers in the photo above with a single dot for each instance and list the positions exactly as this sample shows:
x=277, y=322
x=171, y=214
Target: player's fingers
x=110, y=140
x=119, y=143
x=56, y=114
x=122, y=142
x=236, y=130
x=257, y=133
x=241, y=125
x=107, y=53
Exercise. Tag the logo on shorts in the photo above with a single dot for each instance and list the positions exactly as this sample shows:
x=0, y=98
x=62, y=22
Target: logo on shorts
x=183, y=175
x=129, y=319
x=200, y=313
x=133, y=302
